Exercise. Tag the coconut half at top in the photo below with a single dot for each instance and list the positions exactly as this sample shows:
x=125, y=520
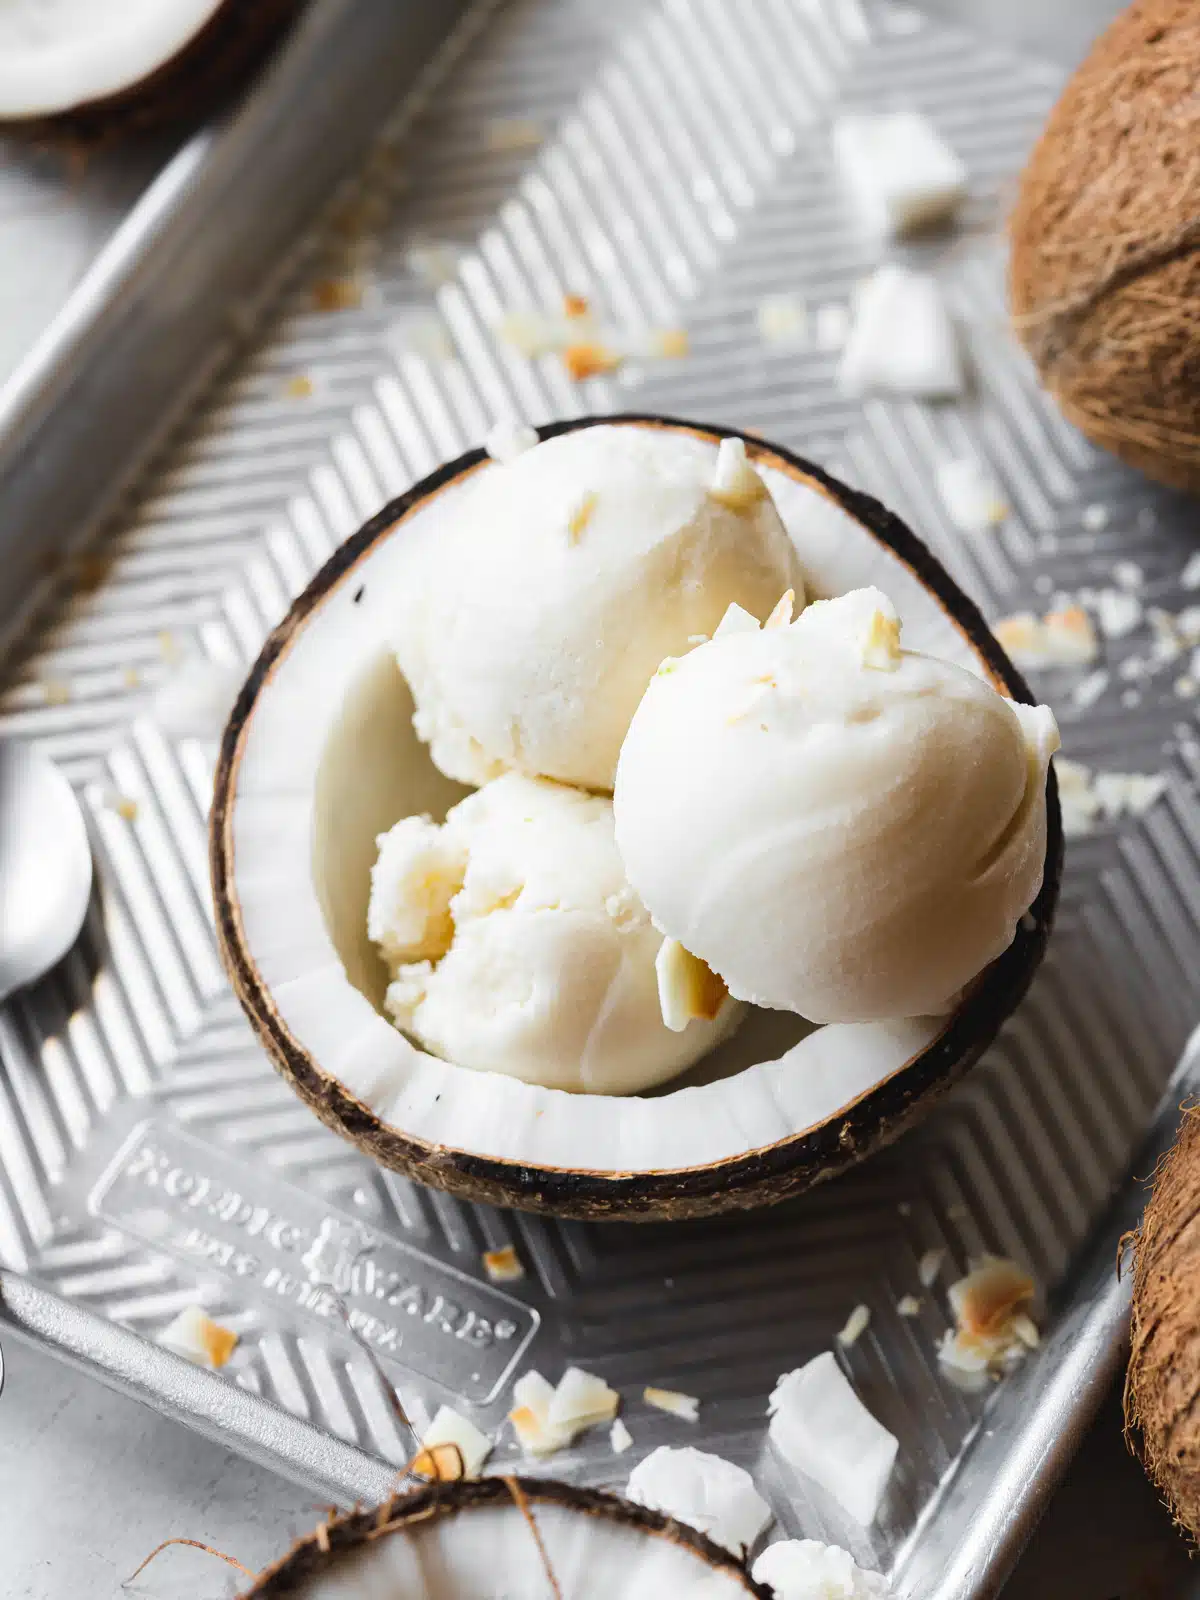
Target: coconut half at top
x=505, y=1536
x=319, y=757
x=88, y=68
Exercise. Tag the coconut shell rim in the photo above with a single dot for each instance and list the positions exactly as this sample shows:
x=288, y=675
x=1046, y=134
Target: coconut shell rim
x=762, y=1176
x=438, y=1501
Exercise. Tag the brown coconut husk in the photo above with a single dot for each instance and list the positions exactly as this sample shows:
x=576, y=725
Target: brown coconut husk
x=1104, y=276
x=1162, y=1384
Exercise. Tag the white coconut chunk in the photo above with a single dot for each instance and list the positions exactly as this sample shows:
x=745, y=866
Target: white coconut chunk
x=1189, y=578
x=783, y=320
x=450, y=1427
x=821, y=1426
x=804, y=1569
x=619, y=1437
x=580, y=1400
x=194, y=702
x=929, y=1266
x=971, y=495
x=1118, y=612
x=705, y=1491
x=194, y=1335
x=903, y=174
x=687, y=987
x=902, y=340
x=675, y=1404
x=855, y=1326
x=508, y=439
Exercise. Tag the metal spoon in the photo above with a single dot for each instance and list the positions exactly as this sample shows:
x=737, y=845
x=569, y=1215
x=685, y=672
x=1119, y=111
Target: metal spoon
x=45, y=866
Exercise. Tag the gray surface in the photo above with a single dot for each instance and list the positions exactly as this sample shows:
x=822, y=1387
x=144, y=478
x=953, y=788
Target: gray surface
x=256, y=489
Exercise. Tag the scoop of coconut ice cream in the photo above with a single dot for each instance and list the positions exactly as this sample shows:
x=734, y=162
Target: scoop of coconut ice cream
x=515, y=944
x=529, y=629
x=838, y=827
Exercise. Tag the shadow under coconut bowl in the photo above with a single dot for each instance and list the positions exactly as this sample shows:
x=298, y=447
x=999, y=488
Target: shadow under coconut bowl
x=319, y=757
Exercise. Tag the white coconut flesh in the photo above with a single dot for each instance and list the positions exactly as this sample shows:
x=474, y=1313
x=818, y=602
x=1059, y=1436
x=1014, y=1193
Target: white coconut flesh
x=329, y=760
x=58, y=55
x=488, y=1553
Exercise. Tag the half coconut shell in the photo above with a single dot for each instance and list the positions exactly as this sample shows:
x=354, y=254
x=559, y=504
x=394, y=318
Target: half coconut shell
x=197, y=71
x=481, y=1531
x=770, y=1132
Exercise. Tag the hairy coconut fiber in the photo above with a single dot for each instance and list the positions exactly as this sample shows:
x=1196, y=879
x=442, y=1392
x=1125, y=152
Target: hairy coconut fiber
x=1105, y=268
x=1162, y=1386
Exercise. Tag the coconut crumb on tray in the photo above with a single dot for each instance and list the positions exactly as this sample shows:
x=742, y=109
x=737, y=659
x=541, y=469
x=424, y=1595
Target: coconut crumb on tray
x=194, y=1335
x=929, y=1266
x=503, y=1266
x=587, y=348
x=451, y=1447
x=548, y=1417
x=855, y=1326
x=1064, y=638
x=1090, y=798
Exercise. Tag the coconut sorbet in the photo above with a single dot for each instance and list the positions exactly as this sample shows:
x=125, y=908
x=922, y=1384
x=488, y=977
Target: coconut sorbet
x=817, y=820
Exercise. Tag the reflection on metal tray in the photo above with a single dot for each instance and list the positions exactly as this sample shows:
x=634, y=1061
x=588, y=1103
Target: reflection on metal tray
x=669, y=159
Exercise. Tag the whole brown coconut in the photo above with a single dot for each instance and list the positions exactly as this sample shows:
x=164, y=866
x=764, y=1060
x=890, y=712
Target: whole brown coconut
x=1163, y=1380
x=1105, y=269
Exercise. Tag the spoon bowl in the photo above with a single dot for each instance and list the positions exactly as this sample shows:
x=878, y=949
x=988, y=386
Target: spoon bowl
x=45, y=866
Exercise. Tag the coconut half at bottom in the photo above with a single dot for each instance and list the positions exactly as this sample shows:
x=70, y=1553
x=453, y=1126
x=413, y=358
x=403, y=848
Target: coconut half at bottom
x=319, y=756
x=474, y=1541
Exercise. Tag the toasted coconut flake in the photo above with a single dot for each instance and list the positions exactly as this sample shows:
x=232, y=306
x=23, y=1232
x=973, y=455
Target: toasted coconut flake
x=985, y=1300
x=929, y=1266
x=855, y=1326
x=581, y=1400
x=675, y=1404
x=194, y=1335
x=503, y=1266
x=671, y=344
x=531, y=1416
x=619, y=1437
x=452, y=1432
x=881, y=649
x=822, y=1427
x=590, y=360
x=687, y=986
x=1062, y=638
x=124, y=805
x=576, y=307
x=299, y=387
x=908, y=1306
x=508, y=440
x=703, y=1490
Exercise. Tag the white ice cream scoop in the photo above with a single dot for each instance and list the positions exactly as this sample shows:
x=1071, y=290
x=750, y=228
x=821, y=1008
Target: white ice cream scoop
x=838, y=827
x=529, y=629
x=515, y=944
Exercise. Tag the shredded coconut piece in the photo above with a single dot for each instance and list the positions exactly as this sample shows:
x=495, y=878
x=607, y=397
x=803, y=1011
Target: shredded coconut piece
x=908, y=1306
x=503, y=1266
x=1088, y=690
x=581, y=1400
x=855, y=1326
x=687, y=986
x=675, y=1404
x=548, y=1418
x=1088, y=797
x=929, y=1266
x=619, y=1438
x=450, y=1427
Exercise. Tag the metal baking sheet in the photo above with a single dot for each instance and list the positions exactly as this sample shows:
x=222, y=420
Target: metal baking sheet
x=243, y=377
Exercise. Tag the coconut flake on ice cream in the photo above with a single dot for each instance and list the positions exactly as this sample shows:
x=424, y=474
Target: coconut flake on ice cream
x=529, y=629
x=515, y=944
x=836, y=826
